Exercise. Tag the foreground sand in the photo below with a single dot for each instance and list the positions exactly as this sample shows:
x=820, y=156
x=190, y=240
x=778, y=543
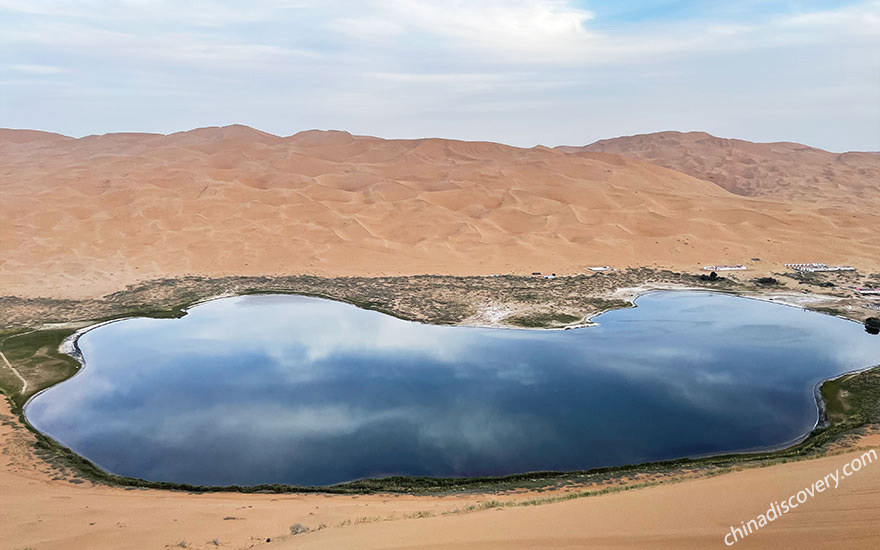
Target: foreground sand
x=43, y=514
x=692, y=514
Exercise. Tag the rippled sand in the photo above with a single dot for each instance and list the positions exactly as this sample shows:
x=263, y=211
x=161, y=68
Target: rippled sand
x=87, y=216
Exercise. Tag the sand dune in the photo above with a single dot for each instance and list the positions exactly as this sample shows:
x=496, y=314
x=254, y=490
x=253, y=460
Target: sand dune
x=87, y=216
x=780, y=171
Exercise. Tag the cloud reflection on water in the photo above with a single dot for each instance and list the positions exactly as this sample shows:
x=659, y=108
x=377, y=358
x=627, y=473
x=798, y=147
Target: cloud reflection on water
x=300, y=390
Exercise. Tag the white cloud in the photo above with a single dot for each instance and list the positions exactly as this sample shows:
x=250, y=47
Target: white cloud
x=371, y=28
x=552, y=32
x=207, y=13
x=516, y=71
x=201, y=50
x=39, y=69
x=525, y=27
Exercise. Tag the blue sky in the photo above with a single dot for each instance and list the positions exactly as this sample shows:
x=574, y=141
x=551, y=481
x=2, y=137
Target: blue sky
x=523, y=72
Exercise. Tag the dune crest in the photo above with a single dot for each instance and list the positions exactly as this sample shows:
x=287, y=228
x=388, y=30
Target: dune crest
x=780, y=171
x=88, y=216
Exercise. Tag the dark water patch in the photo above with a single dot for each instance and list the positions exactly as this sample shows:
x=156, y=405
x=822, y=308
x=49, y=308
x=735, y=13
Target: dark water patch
x=286, y=389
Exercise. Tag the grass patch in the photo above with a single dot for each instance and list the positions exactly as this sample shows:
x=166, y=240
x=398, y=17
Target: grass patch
x=36, y=357
x=833, y=395
x=858, y=396
x=543, y=320
x=829, y=311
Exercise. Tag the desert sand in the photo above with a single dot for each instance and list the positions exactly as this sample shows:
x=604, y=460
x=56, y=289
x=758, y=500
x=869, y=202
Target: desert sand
x=43, y=514
x=695, y=514
x=780, y=171
x=84, y=217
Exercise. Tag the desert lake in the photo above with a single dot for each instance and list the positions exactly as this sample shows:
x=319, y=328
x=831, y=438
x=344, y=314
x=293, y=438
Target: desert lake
x=305, y=391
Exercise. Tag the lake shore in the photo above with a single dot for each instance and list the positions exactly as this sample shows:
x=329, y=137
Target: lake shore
x=70, y=346
x=43, y=477
x=32, y=325
x=56, y=508
x=622, y=296
x=832, y=426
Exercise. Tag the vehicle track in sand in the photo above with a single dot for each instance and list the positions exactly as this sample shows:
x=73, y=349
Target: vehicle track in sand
x=24, y=383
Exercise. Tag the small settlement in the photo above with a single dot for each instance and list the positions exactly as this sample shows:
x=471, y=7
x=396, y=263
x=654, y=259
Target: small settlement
x=738, y=267
x=818, y=267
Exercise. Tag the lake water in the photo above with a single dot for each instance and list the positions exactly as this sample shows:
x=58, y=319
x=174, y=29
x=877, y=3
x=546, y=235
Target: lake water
x=289, y=389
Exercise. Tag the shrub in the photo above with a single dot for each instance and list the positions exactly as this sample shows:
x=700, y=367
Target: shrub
x=298, y=528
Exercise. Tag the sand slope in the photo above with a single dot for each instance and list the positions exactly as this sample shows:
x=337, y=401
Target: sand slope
x=694, y=514
x=782, y=171
x=87, y=216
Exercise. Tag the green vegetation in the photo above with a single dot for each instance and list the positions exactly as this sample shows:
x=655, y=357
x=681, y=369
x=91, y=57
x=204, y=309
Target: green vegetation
x=601, y=304
x=807, y=278
x=549, y=319
x=830, y=311
x=36, y=358
x=852, y=401
x=824, y=280
x=543, y=320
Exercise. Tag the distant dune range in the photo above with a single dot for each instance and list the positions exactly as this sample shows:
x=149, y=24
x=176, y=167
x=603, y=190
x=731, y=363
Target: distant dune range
x=83, y=217
x=778, y=171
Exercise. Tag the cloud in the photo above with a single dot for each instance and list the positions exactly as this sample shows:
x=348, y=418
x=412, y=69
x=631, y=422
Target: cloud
x=526, y=27
x=202, y=50
x=371, y=28
x=39, y=69
x=516, y=71
x=552, y=32
x=201, y=13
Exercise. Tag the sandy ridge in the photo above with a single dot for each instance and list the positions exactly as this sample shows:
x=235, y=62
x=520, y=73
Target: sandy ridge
x=781, y=171
x=89, y=216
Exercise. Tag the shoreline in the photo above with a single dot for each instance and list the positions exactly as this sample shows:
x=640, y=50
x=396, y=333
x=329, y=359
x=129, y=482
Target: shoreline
x=70, y=346
x=796, y=449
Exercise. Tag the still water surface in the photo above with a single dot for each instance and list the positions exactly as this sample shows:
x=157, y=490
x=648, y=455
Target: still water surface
x=289, y=389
